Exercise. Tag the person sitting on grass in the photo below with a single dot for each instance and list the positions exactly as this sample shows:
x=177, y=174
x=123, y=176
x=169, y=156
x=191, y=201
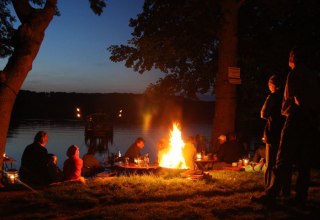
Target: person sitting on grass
x=54, y=173
x=73, y=165
x=91, y=166
x=232, y=150
x=33, y=170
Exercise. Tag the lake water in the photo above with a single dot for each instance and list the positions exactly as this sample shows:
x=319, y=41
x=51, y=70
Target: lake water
x=62, y=134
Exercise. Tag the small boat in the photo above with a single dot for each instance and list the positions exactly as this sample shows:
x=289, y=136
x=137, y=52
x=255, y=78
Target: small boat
x=98, y=125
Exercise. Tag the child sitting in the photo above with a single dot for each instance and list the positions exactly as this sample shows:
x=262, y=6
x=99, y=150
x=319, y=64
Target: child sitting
x=54, y=173
x=73, y=165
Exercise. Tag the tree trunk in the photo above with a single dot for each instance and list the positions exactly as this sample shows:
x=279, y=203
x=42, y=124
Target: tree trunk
x=27, y=43
x=225, y=105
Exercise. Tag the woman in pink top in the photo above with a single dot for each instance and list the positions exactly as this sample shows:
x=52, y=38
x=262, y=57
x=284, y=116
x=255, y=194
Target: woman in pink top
x=73, y=165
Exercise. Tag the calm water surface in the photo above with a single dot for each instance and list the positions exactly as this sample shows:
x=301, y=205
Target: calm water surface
x=62, y=134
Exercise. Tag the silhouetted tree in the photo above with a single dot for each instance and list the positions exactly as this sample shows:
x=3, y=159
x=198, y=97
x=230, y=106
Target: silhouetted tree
x=194, y=43
x=22, y=46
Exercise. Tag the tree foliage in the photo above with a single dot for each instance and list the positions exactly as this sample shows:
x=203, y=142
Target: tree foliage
x=8, y=20
x=6, y=29
x=177, y=37
x=267, y=31
x=180, y=38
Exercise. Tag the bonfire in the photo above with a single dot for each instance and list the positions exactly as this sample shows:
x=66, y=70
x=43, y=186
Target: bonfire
x=172, y=155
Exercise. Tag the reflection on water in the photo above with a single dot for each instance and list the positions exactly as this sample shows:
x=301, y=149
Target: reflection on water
x=100, y=143
x=64, y=133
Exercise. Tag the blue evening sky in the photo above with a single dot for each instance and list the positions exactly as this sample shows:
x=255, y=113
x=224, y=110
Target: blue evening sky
x=74, y=57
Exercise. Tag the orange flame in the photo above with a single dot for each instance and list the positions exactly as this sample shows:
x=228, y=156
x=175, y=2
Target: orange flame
x=172, y=156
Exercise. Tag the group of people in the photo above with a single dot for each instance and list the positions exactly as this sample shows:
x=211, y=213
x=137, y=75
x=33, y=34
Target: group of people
x=39, y=168
x=292, y=116
x=194, y=144
x=230, y=149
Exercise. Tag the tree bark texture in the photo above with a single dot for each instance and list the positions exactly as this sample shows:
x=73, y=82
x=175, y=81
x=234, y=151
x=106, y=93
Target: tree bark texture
x=225, y=105
x=27, y=43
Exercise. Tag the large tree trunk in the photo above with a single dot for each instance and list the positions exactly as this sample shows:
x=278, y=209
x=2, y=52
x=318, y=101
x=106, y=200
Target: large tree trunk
x=225, y=106
x=27, y=43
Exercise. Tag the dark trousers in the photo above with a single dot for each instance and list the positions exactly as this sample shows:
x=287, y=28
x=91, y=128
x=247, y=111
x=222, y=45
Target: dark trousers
x=270, y=173
x=294, y=148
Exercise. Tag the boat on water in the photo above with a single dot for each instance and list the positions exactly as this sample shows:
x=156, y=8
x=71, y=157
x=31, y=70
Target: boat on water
x=98, y=125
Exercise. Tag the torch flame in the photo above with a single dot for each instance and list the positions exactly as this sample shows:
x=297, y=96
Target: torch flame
x=173, y=157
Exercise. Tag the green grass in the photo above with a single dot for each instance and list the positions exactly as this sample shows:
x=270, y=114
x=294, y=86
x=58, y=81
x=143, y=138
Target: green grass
x=222, y=195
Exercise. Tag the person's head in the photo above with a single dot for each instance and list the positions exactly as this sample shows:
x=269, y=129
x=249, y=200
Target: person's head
x=222, y=139
x=73, y=150
x=41, y=137
x=52, y=158
x=274, y=83
x=140, y=142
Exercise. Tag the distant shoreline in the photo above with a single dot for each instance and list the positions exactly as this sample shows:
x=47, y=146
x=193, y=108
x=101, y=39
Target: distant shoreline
x=63, y=105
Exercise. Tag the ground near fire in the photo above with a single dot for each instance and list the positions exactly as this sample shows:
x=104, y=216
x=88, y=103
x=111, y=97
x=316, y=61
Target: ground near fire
x=218, y=195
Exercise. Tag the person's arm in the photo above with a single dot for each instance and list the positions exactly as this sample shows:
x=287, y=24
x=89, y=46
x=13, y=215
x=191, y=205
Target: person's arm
x=288, y=102
x=266, y=108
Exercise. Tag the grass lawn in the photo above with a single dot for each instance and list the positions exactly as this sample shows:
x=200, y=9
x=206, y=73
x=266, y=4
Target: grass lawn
x=221, y=195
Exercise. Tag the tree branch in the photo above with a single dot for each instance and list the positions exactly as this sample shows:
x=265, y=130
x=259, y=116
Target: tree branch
x=23, y=9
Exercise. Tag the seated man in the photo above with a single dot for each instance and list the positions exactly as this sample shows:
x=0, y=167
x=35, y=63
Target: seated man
x=134, y=150
x=232, y=150
x=34, y=160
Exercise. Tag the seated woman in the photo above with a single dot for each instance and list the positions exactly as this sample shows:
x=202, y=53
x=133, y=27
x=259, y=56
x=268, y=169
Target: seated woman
x=91, y=166
x=53, y=171
x=73, y=165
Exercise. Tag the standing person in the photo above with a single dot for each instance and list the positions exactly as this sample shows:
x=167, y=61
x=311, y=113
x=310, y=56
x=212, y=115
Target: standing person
x=271, y=111
x=134, y=150
x=73, y=165
x=301, y=108
x=33, y=168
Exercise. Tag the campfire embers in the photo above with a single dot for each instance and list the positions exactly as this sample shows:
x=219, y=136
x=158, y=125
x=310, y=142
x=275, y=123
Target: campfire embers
x=171, y=156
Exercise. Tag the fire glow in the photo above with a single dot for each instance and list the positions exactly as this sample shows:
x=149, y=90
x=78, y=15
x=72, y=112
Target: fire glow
x=172, y=157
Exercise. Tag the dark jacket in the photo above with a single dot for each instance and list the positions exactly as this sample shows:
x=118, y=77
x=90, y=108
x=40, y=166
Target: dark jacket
x=271, y=111
x=54, y=173
x=133, y=152
x=33, y=168
x=231, y=151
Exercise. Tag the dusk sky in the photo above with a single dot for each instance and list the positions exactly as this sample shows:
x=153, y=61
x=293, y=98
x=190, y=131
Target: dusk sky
x=74, y=57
